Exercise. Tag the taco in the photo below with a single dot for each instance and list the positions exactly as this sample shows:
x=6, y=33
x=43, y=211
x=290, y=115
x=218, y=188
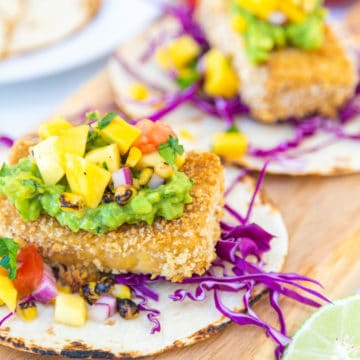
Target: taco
x=176, y=72
x=74, y=266
x=27, y=25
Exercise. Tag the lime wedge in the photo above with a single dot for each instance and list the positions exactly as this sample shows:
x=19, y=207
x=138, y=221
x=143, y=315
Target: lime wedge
x=332, y=333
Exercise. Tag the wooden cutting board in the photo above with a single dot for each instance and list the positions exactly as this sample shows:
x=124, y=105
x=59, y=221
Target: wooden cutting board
x=323, y=220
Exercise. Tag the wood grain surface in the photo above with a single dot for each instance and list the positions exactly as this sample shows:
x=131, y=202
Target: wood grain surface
x=323, y=220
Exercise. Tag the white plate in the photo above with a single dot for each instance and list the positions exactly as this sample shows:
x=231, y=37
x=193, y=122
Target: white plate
x=116, y=21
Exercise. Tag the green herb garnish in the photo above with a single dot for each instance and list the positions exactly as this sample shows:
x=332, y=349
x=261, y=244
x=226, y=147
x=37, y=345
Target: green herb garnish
x=8, y=252
x=104, y=165
x=94, y=115
x=106, y=120
x=169, y=150
x=233, y=129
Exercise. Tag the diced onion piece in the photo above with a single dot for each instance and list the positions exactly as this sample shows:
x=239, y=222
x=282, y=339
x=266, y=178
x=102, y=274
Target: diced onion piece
x=122, y=176
x=109, y=301
x=104, y=308
x=47, y=290
x=98, y=312
x=155, y=181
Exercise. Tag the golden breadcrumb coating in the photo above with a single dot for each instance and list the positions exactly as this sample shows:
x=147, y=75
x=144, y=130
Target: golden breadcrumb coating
x=175, y=249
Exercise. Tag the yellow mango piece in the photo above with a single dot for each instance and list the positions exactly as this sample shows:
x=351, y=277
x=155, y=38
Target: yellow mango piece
x=134, y=157
x=238, y=23
x=48, y=160
x=8, y=293
x=178, y=53
x=53, y=127
x=150, y=160
x=294, y=13
x=73, y=141
x=230, y=145
x=138, y=92
x=86, y=179
x=220, y=78
x=70, y=309
x=121, y=133
x=107, y=157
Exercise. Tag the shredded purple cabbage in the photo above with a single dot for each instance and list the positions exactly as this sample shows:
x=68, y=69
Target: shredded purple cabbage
x=7, y=316
x=6, y=141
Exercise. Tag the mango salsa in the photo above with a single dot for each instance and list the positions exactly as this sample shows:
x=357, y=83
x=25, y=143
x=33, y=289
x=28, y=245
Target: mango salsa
x=230, y=145
x=107, y=157
x=8, y=293
x=86, y=179
x=53, y=127
x=179, y=53
x=118, y=131
x=48, y=160
x=220, y=78
x=70, y=310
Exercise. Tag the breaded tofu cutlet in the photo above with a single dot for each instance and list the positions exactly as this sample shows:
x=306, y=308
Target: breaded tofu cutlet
x=175, y=249
x=294, y=82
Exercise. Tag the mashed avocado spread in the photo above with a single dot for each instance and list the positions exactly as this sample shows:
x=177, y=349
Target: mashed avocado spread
x=24, y=187
x=271, y=24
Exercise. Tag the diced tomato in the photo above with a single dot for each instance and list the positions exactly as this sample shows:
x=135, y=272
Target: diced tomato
x=152, y=135
x=30, y=270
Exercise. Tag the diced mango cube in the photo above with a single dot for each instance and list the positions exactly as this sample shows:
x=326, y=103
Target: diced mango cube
x=70, y=309
x=292, y=12
x=86, y=179
x=238, y=23
x=150, y=160
x=53, y=127
x=120, y=132
x=107, y=157
x=8, y=293
x=138, y=92
x=48, y=160
x=73, y=140
x=220, y=77
x=134, y=157
x=179, y=53
x=230, y=145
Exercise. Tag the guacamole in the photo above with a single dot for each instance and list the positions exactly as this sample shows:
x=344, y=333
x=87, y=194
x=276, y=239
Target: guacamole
x=262, y=36
x=23, y=186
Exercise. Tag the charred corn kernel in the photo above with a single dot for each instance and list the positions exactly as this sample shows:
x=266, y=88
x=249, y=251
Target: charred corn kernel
x=121, y=291
x=124, y=193
x=180, y=160
x=164, y=170
x=136, y=184
x=108, y=197
x=53, y=127
x=27, y=311
x=71, y=202
x=238, y=23
x=145, y=176
x=127, y=309
x=104, y=285
x=230, y=145
x=64, y=289
x=179, y=53
x=70, y=309
x=133, y=157
x=138, y=92
x=186, y=135
x=89, y=293
x=220, y=78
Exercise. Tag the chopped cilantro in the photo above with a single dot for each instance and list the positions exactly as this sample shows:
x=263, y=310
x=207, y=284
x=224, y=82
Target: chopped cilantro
x=169, y=150
x=8, y=252
x=104, y=165
x=94, y=115
x=233, y=129
x=106, y=120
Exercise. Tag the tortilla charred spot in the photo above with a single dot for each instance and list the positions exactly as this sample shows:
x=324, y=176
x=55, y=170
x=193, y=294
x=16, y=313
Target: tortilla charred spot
x=79, y=350
x=175, y=249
